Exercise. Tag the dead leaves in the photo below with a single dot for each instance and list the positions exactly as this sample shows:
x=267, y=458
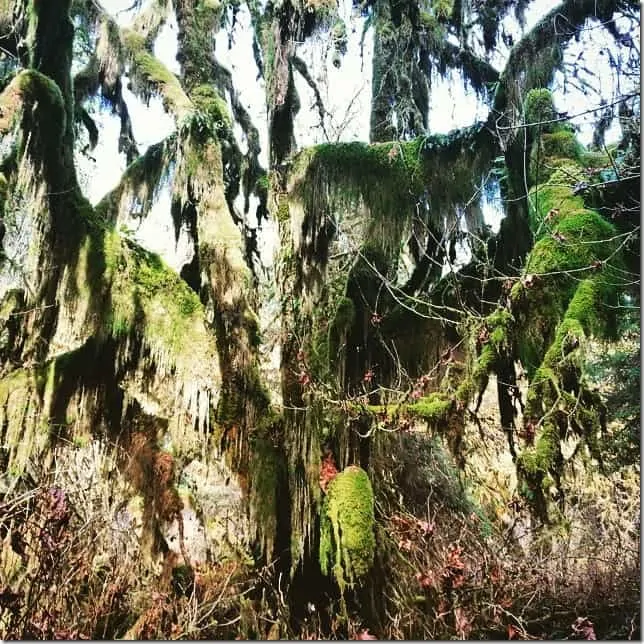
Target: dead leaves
x=583, y=629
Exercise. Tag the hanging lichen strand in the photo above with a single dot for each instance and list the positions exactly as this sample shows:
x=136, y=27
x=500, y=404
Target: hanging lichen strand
x=566, y=294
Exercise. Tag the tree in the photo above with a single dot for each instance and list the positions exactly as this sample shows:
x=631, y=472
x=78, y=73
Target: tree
x=101, y=338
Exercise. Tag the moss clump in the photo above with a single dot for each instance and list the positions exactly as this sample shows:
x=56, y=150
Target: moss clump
x=208, y=101
x=539, y=107
x=347, y=541
x=562, y=143
x=146, y=299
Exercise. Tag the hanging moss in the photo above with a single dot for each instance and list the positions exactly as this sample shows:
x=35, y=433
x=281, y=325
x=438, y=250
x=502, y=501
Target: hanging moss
x=140, y=184
x=430, y=177
x=146, y=299
x=340, y=325
x=153, y=77
x=267, y=476
x=347, y=541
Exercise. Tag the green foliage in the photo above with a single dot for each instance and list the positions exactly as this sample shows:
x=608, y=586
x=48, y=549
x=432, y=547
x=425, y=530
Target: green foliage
x=347, y=541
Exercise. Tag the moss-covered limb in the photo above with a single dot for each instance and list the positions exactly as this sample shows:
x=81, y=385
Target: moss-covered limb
x=480, y=74
x=151, y=298
x=226, y=283
x=559, y=302
x=279, y=28
x=151, y=19
x=251, y=172
x=347, y=540
x=561, y=367
x=115, y=47
x=50, y=37
x=535, y=58
x=400, y=88
x=395, y=181
x=487, y=16
x=150, y=76
x=27, y=89
x=103, y=71
x=573, y=243
x=197, y=21
x=573, y=410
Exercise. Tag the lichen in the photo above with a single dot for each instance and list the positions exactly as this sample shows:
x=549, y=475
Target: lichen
x=347, y=541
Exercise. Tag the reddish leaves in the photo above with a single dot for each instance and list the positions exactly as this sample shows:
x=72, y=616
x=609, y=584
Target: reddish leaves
x=513, y=633
x=364, y=634
x=462, y=622
x=328, y=471
x=426, y=580
x=454, y=572
x=583, y=629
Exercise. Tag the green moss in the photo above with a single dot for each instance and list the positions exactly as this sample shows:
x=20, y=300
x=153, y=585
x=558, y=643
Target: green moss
x=545, y=197
x=539, y=107
x=208, y=101
x=541, y=458
x=31, y=88
x=578, y=238
x=562, y=143
x=153, y=74
x=390, y=179
x=433, y=409
x=267, y=471
x=347, y=541
x=145, y=296
x=442, y=8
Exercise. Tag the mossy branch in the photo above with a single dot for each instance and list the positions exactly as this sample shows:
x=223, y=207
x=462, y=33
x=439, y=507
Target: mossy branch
x=535, y=58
